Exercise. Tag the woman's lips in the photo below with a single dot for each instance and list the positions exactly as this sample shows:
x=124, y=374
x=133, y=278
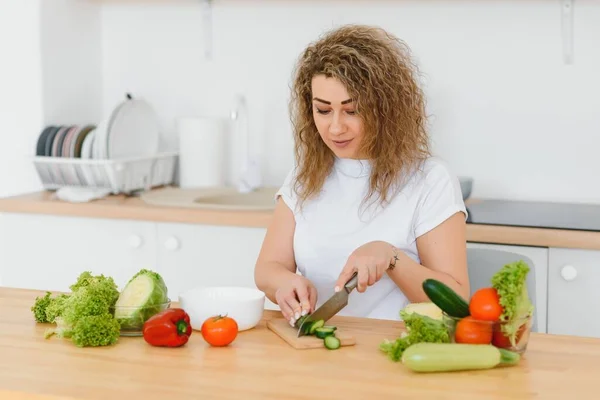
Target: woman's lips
x=341, y=143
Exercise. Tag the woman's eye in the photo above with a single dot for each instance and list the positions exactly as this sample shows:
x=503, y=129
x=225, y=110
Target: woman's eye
x=351, y=112
x=323, y=112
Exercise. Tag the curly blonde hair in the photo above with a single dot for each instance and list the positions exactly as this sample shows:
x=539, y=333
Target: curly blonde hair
x=376, y=69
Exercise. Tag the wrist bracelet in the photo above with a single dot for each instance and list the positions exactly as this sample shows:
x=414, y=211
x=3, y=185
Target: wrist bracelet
x=393, y=265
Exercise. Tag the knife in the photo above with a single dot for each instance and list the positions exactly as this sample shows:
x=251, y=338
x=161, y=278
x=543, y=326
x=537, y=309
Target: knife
x=331, y=307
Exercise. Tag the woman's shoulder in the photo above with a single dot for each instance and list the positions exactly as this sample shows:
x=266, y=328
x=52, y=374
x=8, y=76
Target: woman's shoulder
x=431, y=172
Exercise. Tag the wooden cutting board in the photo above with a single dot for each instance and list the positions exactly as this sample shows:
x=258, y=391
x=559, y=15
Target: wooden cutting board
x=283, y=329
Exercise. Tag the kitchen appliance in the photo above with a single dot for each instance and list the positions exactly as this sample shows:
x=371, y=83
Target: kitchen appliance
x=535, y=214
x=331, y=307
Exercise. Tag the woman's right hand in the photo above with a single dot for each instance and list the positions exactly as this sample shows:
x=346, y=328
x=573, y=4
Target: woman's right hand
x=296, y=298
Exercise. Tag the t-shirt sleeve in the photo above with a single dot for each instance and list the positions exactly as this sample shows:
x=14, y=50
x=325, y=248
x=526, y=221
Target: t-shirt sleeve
x=286, y=191
x=441, y=197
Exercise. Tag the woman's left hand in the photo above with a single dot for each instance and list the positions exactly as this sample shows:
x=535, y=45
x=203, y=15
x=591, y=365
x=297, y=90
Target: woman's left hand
x=370, y=260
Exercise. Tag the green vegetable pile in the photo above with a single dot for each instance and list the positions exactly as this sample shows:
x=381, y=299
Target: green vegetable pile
x=84, y=315
x=510, y=283
x=421, y=328
x=95, y=312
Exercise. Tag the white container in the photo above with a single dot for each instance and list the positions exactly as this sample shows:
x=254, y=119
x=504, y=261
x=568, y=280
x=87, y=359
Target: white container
x=244, y=305
x=202, y=152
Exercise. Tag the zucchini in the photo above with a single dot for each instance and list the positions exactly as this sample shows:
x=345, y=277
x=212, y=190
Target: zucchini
x=445, y=298
x=324, y=331
x=442, y=357
x=331, y=342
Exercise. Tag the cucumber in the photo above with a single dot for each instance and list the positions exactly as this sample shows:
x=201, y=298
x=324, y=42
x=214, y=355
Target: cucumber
x=316, y=325
x=323, y=332
x=331, y=342
x=442, y=357
x=445, y=298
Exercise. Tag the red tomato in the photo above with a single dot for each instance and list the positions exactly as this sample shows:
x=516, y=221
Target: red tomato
x=219, y=330
x=485, y=305
x=501, y=340
x=468, y=330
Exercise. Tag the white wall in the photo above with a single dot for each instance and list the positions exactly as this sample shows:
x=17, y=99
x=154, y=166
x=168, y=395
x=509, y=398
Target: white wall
x=21, y=109
x=51, y=73
x=505, y=108
x=72, y=61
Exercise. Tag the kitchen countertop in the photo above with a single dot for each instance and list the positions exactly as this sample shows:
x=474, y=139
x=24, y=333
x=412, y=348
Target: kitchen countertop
x=260, y=365
x=133, y=208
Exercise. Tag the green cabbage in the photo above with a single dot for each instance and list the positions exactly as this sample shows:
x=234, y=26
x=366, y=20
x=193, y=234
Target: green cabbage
x=143, y=296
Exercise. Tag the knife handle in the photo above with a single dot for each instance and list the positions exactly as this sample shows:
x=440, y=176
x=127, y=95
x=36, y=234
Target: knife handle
x=352, y=282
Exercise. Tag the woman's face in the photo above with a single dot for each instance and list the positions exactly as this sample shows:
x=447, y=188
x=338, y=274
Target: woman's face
x=334, y=114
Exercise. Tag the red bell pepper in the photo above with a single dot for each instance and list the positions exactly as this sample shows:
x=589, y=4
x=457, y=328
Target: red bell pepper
x=168, y=328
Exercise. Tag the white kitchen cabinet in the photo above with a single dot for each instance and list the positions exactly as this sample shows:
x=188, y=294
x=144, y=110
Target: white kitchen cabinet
x=49, y=252
x=192, y=255
x=539, y=257
x=574, y=298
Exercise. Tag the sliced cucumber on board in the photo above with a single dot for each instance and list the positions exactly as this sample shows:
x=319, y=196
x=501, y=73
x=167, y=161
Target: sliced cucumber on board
x=325, y=332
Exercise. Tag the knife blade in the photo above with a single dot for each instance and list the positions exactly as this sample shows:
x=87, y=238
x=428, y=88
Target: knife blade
x=331, y=307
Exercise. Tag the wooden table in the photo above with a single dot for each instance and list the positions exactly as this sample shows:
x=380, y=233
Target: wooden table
x=259, y=365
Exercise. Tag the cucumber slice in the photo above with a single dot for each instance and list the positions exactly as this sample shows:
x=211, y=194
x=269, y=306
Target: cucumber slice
x=323, y=332
x=331, y=342
x=316, y=325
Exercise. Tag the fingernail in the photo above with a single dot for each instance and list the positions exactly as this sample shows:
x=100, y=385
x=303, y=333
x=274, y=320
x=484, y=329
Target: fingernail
x=304, y=312
x=292, y=322
x=297, y=315
x=337, y=289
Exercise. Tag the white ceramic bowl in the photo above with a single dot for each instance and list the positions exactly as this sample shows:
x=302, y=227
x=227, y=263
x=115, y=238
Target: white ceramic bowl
x=244, y=305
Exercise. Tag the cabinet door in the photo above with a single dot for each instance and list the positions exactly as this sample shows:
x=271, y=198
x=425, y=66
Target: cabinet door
x=49, y=252
x=206, y=255
x=574, y=298
x=539, y=257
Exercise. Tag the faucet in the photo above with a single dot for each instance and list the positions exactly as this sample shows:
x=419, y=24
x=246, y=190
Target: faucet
x=249, y=173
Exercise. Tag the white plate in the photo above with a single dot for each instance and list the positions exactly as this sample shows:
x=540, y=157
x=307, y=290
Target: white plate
x=100, y=137
x=134, y=131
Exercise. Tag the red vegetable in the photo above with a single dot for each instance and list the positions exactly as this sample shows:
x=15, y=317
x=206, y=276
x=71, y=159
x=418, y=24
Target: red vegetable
x=485, y=305
x=219, y=330
x=168, y=328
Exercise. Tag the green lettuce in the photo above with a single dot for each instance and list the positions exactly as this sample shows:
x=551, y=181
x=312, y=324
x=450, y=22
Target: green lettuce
x=420, y=328
x=511, y=284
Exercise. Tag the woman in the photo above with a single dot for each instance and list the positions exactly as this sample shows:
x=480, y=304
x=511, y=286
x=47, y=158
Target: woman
x=366, y=195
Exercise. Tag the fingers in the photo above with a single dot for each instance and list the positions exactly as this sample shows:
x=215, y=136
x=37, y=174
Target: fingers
x=286, y=310
x=296, y=309
x=373, y=274
x=345, y=276
x=362, y=279
x=303, y=298
x=312, y=298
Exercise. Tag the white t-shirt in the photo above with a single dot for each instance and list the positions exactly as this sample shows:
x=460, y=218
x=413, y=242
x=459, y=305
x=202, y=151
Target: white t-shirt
x=330, y=227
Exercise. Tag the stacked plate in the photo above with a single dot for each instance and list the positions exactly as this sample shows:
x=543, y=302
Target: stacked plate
x=131, y=130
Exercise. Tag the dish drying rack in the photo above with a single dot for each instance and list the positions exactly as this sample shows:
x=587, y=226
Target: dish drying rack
x=117, y=175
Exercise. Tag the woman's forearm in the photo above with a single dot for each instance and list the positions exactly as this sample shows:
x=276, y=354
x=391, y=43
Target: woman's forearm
x=270, y=276
x=409, y=276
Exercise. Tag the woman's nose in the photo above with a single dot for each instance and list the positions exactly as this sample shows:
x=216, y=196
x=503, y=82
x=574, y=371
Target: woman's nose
x=337, y=125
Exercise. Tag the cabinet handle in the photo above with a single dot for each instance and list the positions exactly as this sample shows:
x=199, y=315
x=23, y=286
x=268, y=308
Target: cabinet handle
x=568, y=272
x=172, y=244
x=135, y=241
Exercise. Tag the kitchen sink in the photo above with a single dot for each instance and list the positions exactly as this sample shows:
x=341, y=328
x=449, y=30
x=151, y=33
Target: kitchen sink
x=218, y=198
